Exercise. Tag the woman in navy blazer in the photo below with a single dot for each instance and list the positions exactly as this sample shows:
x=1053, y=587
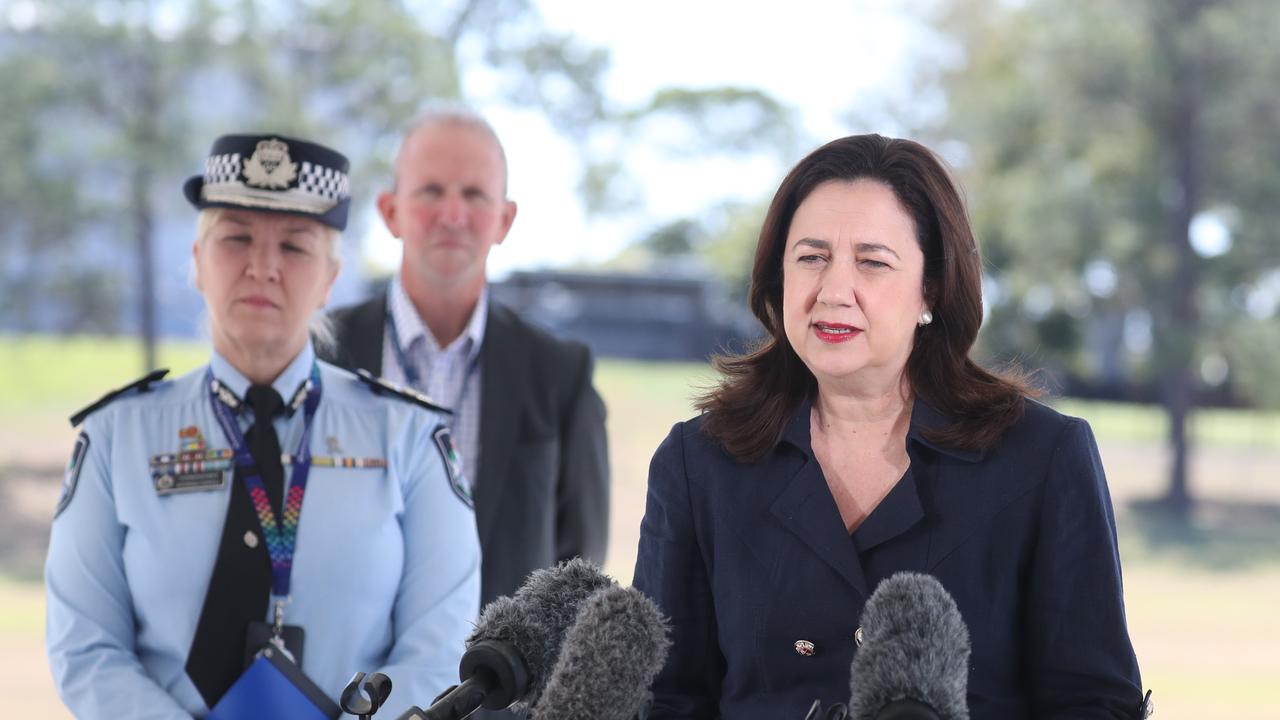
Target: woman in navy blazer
x=859, y=440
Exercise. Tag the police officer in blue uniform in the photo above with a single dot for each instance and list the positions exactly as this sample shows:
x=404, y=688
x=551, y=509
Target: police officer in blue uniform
x=267, y=501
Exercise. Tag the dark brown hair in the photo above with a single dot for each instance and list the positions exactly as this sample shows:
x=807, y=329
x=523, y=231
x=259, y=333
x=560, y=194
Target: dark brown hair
x=761, y=388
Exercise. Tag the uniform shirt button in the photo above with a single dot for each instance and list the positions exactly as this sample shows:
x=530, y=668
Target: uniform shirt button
x=250, y=539
x=805, y=648
x=858, y=637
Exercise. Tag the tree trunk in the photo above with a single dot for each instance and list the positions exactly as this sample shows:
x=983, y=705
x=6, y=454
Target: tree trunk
x=142, y=226
x=145, y=131
x=1185, y=142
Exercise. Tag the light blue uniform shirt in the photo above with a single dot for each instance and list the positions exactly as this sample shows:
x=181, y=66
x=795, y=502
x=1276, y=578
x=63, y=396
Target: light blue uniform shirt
x=385, y=573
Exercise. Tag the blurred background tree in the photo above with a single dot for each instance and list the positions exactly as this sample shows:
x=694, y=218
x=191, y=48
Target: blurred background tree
x=108, y=102
x=108, y=105
x=1120, y=162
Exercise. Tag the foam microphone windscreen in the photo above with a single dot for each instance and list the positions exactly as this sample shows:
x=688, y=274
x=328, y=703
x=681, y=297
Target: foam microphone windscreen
x=610, y=657
x=915, y=650
x=535, y=619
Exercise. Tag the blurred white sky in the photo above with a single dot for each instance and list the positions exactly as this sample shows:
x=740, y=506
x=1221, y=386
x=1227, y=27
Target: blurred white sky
x=818, y=56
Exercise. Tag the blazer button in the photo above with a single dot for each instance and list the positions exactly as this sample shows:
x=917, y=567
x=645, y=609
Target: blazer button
x=805, y=648
x=857, y=637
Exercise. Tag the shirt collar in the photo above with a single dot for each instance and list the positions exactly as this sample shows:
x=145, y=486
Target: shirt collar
x=923, y=418
x=409, y=325
x=287, y=383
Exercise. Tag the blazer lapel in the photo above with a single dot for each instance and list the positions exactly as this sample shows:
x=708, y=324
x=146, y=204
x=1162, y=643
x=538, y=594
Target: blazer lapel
x=501, y=397
x=806, y=508
x=965, y=500
x=960, y=491
x=363, y=335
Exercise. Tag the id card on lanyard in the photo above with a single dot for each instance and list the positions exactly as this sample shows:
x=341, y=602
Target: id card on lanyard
x=281, y=533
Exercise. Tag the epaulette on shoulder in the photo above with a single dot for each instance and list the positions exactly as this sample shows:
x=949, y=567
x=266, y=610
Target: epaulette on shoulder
x=142, y=384
x=382, y=387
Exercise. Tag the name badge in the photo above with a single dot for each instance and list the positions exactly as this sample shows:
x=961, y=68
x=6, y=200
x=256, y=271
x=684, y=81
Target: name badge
x=168, y=483
x=193, y=468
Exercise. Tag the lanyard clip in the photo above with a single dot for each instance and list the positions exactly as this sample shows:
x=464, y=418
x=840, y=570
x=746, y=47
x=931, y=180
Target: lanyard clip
x=277, y=626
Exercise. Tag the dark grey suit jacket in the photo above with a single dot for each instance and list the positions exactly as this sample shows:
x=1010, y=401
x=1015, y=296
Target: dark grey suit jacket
x=542, y=485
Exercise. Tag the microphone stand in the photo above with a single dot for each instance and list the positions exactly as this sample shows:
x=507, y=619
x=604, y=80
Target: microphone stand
x=363, y=696
x=837, y=711
x=496, y=677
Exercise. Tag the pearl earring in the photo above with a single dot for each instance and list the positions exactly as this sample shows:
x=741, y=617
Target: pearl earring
x=926, y=317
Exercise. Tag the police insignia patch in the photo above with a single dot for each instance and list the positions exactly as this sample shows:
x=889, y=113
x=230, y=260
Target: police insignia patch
x=72, y=475
x=452, y=464
x=270, y=166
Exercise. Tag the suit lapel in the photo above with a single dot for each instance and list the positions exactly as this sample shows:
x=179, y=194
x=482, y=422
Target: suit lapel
x=363, y=335
x=501, y=397
x=965, y=498
x=806, y=509
x=961, y=489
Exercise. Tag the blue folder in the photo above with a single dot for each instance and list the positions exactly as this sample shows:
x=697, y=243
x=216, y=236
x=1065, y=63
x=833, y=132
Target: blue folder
x=274, y=688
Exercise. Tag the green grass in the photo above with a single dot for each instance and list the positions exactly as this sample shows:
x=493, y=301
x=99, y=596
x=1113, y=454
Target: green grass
x=1210, y=426
x=45, y=374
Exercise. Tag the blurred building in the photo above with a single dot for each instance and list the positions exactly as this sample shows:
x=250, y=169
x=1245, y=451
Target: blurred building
x=647, y=317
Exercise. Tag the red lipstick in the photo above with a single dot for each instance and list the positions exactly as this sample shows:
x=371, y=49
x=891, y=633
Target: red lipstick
x=835, y=333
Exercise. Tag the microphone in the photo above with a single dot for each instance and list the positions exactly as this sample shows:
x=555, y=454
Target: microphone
x=611, y=654
x=914, y=659
x=515, y=643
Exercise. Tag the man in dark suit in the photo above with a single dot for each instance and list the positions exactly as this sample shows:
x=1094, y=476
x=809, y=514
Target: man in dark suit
x=527, y=421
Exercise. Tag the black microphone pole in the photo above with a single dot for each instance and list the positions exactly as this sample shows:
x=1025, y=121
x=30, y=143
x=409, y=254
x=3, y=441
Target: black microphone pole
x=496, y=676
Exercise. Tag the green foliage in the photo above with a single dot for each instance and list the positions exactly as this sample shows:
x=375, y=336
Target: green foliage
x=685, y=125
x=1093, y=131
x=109, y=104
x=674, y=239
x=722, y=240
x=606, y=187
x=730, y=248
x=727, y=119
x=1254, y=347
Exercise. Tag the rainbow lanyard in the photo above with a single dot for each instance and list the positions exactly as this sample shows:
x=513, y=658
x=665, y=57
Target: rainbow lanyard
x=281, y=534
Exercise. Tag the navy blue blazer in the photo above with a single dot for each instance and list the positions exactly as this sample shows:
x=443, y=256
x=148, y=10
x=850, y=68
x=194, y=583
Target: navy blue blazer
x=748, y=559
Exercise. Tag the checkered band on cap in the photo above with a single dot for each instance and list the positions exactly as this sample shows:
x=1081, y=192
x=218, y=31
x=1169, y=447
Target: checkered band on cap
x=323, y=181
x=222, y=168
x=274, y=173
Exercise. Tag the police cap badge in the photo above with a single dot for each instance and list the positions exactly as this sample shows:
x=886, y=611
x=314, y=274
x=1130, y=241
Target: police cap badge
x=274, y=173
